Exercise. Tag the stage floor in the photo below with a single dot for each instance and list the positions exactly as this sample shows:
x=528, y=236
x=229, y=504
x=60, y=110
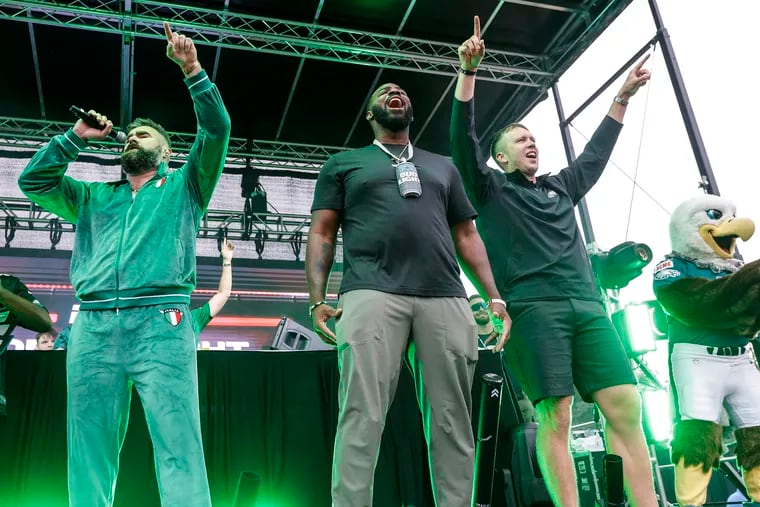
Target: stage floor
x=269, y=412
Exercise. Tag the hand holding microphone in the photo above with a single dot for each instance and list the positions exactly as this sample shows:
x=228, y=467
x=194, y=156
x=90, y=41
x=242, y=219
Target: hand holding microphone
x=92, y=125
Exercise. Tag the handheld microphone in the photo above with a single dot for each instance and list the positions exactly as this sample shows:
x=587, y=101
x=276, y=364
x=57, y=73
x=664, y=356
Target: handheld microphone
x=80, y=113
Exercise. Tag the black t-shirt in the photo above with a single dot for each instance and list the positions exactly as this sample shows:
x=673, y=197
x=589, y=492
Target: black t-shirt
x=8, y=321
x=531, y=235
x=393, y=244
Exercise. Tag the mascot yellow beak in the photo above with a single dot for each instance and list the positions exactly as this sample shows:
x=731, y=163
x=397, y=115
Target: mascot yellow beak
x=722, y=238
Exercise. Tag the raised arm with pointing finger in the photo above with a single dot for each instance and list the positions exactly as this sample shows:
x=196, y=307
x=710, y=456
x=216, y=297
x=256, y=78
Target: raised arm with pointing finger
x=204, y=313
x=561, y=337
x=133, y=269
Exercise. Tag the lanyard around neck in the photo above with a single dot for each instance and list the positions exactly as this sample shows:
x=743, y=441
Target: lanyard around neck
x=400, y=160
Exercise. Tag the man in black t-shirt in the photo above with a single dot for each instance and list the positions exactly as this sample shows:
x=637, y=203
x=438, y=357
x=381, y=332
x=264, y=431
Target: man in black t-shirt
x=405, y=218
x=18, y=307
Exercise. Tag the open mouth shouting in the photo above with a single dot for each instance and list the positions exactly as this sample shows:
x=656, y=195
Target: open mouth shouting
x=395, y=103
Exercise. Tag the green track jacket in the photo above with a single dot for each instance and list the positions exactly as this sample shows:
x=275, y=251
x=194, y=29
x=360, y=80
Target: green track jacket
x=137, y=252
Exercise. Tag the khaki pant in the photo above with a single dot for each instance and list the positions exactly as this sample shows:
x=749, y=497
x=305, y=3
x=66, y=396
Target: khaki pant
x=439, y=337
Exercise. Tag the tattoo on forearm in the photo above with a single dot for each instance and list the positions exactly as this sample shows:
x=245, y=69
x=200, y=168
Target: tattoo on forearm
x=319, y=264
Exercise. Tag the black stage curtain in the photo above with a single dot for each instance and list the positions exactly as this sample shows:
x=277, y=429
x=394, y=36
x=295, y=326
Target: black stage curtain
x=269, y=412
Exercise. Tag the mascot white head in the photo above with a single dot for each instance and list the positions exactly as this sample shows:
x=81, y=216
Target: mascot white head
x=705, y=229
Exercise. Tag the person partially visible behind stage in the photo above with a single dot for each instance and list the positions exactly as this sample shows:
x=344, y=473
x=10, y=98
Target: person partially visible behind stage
x=62, y=340
x=46, y=340
x=211, y=308
x=561, y=334
x=487, y=337
x=133, y=269
x=404, y=217
x=18, y=307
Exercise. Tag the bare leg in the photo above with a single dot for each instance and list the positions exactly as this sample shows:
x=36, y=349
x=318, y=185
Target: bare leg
x=621, y=407
x=553, y=452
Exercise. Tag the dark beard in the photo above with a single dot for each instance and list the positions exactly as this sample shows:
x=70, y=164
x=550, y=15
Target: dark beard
x=140, y=161
x=394, y=124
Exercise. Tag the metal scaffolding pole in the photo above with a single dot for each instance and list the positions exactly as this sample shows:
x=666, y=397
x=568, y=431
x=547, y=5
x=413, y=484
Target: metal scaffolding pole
x=684, y=104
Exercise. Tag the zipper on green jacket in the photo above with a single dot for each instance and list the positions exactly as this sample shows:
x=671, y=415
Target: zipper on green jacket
x=121, y=243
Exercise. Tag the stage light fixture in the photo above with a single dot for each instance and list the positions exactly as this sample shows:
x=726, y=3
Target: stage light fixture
x=616, y=268
x=252, y=189
x=640, y=325
x=221, y=237
x=295, y=244
x=255, y=206
x=657, y=409
x=11, y=224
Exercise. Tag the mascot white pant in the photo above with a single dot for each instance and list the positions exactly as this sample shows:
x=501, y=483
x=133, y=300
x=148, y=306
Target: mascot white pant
x=706, y=383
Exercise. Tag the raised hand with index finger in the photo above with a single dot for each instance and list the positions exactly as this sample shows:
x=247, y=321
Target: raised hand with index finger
x=181, y=50
x=472, y=50
x=637, y=78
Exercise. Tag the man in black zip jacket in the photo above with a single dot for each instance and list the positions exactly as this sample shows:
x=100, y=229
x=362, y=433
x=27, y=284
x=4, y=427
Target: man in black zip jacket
x=561, y=334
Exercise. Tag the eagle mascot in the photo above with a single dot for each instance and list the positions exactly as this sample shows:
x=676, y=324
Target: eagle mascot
x=713, y=304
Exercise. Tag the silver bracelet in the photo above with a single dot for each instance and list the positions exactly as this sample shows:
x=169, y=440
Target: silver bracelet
x=315, y=305
x=496, y=300
x=620, y=100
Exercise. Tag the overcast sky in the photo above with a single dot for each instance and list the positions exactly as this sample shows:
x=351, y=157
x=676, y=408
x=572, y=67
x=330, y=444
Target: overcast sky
x=715, y=45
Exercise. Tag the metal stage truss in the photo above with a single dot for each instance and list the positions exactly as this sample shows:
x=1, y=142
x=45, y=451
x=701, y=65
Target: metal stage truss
x=528, y=69
x=20, y=214
x=32, y=134
x=227, y=29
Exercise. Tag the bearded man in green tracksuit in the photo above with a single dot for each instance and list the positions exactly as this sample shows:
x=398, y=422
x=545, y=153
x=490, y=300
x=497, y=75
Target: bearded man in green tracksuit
x=133, y=269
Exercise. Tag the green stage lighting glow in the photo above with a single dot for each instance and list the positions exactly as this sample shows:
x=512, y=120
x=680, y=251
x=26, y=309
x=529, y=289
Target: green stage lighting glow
x=271, y=499
x=639, y=326
x=658, y=415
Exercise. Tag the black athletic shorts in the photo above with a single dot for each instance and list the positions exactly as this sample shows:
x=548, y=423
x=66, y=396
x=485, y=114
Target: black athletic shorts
x=557, y=343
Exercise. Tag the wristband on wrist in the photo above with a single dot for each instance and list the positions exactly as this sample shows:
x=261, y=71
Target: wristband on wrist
x=497, y=300
x=468, y=72
x=315, y=305
x=620, y=100
x=226, y=264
